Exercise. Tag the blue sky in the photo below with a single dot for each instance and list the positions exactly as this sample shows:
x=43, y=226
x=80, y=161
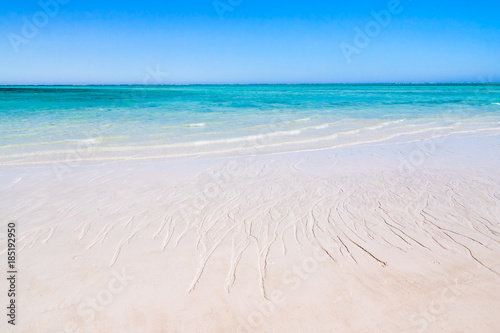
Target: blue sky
x=248, y=41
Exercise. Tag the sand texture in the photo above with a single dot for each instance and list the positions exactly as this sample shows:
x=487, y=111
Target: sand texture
x=389, y=238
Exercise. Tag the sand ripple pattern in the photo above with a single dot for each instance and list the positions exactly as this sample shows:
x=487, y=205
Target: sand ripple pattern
x=351, y=219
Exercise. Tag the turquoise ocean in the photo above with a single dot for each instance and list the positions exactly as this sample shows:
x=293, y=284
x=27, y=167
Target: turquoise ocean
x=44, y=124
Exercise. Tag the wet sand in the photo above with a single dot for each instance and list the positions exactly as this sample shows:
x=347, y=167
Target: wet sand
x=373, y=238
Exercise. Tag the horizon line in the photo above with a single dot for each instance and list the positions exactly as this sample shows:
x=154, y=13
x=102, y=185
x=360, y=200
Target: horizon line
x=239, y=84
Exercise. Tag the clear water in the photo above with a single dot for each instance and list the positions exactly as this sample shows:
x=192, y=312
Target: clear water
x=45, y=123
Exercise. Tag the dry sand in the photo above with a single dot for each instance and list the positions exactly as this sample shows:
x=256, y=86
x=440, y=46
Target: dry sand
x=380, y=238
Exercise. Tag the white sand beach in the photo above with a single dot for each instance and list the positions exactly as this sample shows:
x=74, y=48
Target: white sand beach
x=389, y=237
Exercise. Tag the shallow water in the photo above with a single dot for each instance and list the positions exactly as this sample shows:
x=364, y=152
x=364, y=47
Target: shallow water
x=54, y=123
